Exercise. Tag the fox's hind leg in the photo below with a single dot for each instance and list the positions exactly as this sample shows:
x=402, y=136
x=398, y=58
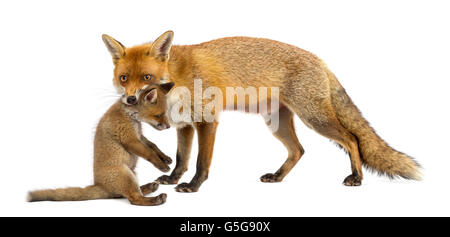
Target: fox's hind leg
x=324, y=121
x=336, y=132
x=308, y=95
x=126, y=184
x=286, y=134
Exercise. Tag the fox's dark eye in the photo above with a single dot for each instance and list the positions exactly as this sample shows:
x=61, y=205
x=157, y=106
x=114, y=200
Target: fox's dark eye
x=160, y=115
x=123, y=78
x=147, y=77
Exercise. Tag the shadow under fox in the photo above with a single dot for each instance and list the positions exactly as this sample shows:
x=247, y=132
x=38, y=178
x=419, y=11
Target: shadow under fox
x=117, y=144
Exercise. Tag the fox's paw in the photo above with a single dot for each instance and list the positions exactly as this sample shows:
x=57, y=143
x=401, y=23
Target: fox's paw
x=161, y=199
x=271, y=178
x=352, y=180
x=167, y=160
x=163, y=167
x=166, y=179
x=186, y=188
x=149, y=201
x=149, y=188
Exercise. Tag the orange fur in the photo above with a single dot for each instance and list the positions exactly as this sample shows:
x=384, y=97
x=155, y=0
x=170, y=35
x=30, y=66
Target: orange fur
x=307, y=89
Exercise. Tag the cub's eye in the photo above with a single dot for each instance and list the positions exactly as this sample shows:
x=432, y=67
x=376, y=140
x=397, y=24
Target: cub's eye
x=160, y=115
x=147, y=77
x=123, y=78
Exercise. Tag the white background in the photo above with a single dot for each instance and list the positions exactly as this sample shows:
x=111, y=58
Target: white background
x=391, y=56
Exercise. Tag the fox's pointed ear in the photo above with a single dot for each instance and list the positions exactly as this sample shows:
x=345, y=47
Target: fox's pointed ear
x=152, y=96
x=166, y=87
x=161, y=47
x=115, y=48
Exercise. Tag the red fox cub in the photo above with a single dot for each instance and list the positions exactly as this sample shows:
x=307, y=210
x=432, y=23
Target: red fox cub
x=307, y=88
x=117, y=144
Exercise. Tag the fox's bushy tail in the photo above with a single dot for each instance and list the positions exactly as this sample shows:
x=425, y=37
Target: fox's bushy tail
x=68, y=194
x=375, y=153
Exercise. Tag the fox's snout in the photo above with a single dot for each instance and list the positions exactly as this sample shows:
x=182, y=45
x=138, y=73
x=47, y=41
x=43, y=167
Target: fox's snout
x=129, y=100
x=132, y=100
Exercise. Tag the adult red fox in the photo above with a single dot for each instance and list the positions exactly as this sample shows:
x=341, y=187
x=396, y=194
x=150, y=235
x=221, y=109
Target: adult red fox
x=307, y=88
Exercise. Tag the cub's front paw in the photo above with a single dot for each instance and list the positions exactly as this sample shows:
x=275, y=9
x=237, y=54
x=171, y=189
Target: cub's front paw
x=167, y=160
x=166, y=179
x=271, y=178
x=186, y=188
x=163, y=167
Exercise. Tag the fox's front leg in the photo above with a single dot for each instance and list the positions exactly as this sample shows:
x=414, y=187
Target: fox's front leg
x=184, y=136
x=166, y=159
x=138, y=148
x=206, y=133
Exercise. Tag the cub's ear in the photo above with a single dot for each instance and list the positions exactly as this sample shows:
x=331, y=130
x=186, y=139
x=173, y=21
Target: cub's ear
x=152, y=96
x=115, y=48
x=166, y=87
x=161, y=47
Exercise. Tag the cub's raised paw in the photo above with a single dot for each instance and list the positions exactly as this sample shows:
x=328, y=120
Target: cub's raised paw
x=271, y=178
x=352, y=180
x=167, y=160
x=164, y=168
x=166, y=179
x=185, y=188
